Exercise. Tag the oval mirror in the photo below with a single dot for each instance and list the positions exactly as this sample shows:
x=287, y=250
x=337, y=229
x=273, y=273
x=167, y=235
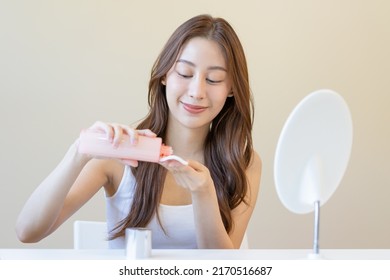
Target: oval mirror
x=313, y=151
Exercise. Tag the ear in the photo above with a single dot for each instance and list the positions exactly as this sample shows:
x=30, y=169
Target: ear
x=230, y=94
x=163, y=81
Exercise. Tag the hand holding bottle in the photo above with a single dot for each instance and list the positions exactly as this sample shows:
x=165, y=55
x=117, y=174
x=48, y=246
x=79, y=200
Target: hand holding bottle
x=119, y=141
x=126, y=144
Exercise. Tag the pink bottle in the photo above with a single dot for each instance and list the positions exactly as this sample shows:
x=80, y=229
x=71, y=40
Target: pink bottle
x=148, y=149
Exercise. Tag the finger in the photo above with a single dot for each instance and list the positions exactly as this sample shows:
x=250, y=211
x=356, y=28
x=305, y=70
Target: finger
x=196, y=165
x=146, y=132
x=103, y=127
x=133, y=134
x=118, y=134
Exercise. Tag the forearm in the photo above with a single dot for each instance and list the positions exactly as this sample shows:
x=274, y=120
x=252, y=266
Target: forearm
x=211, y=232
x=44, y=205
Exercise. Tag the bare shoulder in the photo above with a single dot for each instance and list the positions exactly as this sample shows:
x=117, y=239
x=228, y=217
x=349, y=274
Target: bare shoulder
x=255, y=166
x=253, y=173
x=243, y=212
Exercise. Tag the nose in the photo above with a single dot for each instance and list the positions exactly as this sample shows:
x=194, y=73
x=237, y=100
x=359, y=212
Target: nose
x=197, y=88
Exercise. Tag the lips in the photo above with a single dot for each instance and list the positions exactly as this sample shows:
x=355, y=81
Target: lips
x=193, y=109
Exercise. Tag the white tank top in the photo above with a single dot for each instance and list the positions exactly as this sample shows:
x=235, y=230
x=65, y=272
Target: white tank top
x=177, y=221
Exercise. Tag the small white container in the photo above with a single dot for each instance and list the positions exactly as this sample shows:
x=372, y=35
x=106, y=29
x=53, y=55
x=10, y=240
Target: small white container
x=138, y=243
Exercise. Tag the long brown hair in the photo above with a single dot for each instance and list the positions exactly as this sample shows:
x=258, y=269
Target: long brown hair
x=228, y=147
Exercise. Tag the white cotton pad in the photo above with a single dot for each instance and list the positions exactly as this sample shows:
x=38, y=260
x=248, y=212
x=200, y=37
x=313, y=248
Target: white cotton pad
x=173, y=157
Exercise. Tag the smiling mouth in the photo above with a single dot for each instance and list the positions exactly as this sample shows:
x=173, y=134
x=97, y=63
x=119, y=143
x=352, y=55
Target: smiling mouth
x=193, y=109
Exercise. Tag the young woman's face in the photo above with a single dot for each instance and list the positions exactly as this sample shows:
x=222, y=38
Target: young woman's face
x=197, y=85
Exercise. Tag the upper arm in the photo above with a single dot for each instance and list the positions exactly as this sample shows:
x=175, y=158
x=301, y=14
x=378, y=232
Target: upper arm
x=242, y=213
x=93, y=176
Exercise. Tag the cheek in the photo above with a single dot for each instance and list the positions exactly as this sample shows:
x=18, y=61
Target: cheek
x=174, y=87
x=173, y=92
x=172, y=95
x=219, y=104
x=219, y=96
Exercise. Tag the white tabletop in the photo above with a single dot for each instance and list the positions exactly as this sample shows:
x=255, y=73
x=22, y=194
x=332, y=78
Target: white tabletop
x=252, y=254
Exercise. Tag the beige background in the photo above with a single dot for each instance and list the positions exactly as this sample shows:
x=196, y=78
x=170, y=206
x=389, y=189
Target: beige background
x=65, y=64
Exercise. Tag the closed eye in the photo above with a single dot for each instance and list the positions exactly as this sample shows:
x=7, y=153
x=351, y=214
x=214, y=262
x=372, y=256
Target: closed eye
x=212, y=81
x=184, y=75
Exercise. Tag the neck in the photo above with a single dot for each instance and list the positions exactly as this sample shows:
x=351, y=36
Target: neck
x=186, y=142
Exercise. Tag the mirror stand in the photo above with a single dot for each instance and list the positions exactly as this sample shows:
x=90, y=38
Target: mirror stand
x=316, y=247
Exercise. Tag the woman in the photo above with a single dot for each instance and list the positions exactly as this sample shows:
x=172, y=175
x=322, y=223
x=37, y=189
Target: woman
x=200, y=104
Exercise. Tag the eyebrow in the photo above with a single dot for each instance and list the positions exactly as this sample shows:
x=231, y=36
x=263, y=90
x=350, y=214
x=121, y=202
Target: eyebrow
x=209, y=68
